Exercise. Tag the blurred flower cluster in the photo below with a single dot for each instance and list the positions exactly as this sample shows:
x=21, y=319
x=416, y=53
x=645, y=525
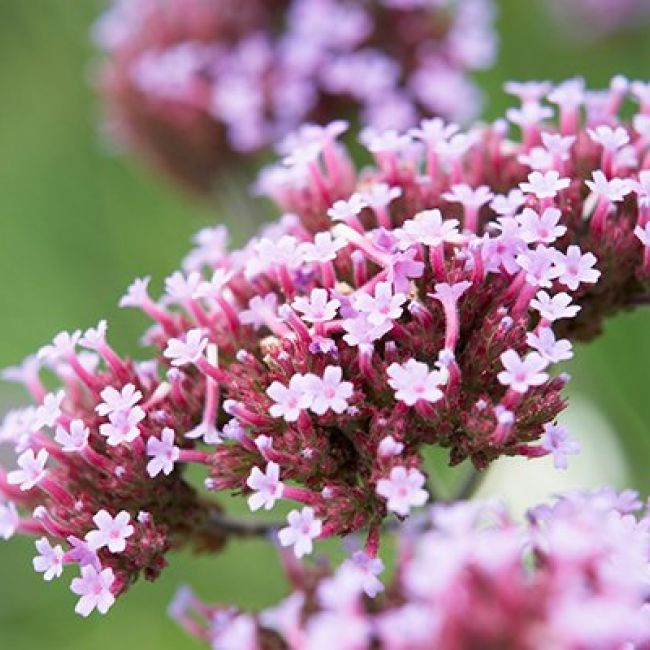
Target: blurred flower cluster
x=418, y=302
x=589, y=19
x=191, y=84
x=575, y=575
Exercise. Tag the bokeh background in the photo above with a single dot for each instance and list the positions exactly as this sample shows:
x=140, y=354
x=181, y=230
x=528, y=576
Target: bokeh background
x=77, y=224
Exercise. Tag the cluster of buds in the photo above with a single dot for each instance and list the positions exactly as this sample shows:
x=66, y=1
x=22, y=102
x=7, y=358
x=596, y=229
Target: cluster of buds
x=573, y=576
x=588, y=19
x=192, y=83
x=418, y=303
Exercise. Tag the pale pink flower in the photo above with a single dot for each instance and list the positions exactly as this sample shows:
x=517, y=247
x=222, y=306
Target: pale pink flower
x=413, y=381
x=303, y=528
x=318, y=307
x=118, y=400
x=330, y=392
x=49, y=561
x=557, y=441
x=164, y=453
x=94, y=587
x=111, y=532
x=381, y=307
x=266, y=485
x=32, y=469
x=290, y=400
x=403, y=490
x=520, y=374
x=576, y=268
x=543, y=341
x=75, y=438
x=189, y=349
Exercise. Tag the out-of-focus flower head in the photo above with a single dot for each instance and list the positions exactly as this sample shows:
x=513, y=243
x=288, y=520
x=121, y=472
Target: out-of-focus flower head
x=193, y=84
x=590, y=19
x=574, y=576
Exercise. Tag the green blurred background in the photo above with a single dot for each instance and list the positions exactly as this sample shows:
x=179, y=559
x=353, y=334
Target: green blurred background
x=77, y=224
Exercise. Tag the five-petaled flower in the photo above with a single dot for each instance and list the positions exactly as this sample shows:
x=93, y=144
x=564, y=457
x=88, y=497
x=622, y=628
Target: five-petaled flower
x=32, y=469
x=303, y=528
x=111, y=532
x=520, y=374
x=94, y=587
x=413, y=381
x=403, y=490
x=557, y=441
x=266, y=485
x=49, y=560
x=164, y=453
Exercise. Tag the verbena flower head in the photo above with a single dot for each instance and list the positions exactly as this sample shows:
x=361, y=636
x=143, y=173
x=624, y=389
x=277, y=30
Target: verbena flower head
x=575, y=575
x=589, y=19
x=190, y=84
x=316, y=364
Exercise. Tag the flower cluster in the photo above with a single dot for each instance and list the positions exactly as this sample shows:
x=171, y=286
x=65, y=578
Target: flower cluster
x=420, y=302
x=574, y=576
x=95, y=468
x=188, y=83
x=596, y=18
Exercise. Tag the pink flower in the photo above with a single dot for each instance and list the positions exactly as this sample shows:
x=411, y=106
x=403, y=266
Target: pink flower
x=389, y=447
x=215, y=286
x=32, y=469
x=75, y=439
x=63, y=344
x=290, y=400
x=137, y=293
x=429, y=228
x=543, y=340
x=449, y=294
x=346, y=210
x=9, y=520
x=540, y=266
x=543, y=229
x=555, y=308
x=520, y=374
x=118, y=400
x=94, y=587
x=49, y=411
x=267, y=487
x=369, y=568
x=260, y=310
x=164, y=453
x=180, y=287
x=330, y=392
x=413, y=381
x=384, y=306
x=318, y=308
x=403, y=490
x=381, y=195
x=509, y=204
x=545, y=185
x=610, y=139
x=187, y=350
x=576, y=268
x=557, y=441
x=111, y=532
x=324, y=248
x=361, y=332
x=468, y=196
x=49, y=561
x=614, y=189
x=303, y=528
x=122, y=426
x=94, y=337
